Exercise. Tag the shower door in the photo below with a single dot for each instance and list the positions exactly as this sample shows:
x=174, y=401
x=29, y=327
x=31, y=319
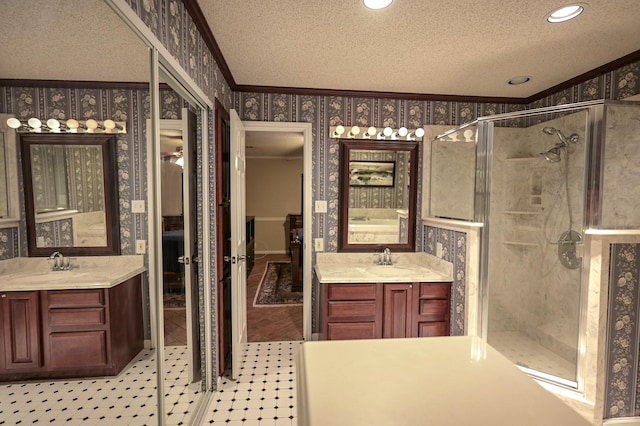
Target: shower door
x=535, y=230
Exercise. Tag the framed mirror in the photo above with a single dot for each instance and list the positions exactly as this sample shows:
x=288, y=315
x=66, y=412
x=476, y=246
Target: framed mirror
x=378, y=193
x=70, y=194
x=9, y=197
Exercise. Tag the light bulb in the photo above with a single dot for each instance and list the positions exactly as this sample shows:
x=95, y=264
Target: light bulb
x=53, y=124
x=34, y=123
x=354, y=131
x=73, y=124
x=109, y=125
x=91, y=125
x=402, y=131
x=339, y=131
x=419, y=132
x=388, y=131
x=14, y=123
x=371, y=131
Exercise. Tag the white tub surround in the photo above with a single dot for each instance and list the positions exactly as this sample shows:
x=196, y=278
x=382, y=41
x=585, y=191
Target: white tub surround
x=362, y=268
x=453, y=371
x=35, y=273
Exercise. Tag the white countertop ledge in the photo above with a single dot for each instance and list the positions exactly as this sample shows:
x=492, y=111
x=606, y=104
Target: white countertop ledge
x=444, y=381
x=30, y=274
x=362, y=268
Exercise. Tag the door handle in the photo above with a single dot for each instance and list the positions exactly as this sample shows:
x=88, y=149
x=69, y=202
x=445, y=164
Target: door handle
x=229, y=259
x=183, y=259
x=242, y=257
x=196, y=259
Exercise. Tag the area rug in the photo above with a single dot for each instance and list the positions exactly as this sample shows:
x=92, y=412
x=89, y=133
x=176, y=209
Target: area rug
x=275, y=287
x=174, y=300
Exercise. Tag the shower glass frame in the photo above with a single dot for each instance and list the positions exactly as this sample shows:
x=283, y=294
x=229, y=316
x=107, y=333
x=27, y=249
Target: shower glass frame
x=591, y=217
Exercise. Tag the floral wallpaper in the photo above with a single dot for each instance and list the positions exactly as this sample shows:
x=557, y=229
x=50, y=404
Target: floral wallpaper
x=454, y=250
x=622, y=343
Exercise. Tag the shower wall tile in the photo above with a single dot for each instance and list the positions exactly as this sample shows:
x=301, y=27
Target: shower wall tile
x=621, y=172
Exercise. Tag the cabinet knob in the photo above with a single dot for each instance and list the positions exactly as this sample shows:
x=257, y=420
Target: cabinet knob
x=3, y=295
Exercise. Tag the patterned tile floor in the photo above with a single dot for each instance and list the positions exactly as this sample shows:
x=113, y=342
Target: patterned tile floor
x=264, y=395
x=524, y=351
x=127, y=399
x=265, y=392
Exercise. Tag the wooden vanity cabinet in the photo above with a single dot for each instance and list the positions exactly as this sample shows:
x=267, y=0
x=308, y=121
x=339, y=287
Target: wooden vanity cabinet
x=351, y=311
x=76, y=333
x=20, y=324
x=384, y=310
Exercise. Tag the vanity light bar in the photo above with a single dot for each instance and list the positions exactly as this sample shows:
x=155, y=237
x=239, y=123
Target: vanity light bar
x=35, y=125
x=387, y=133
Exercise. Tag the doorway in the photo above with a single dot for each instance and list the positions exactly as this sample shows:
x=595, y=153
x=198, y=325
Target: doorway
x=224, y=314
x=274, y=199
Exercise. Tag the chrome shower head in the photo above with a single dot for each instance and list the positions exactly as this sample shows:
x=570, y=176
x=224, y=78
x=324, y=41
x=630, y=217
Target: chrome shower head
x=553, y=155
x=552, y=130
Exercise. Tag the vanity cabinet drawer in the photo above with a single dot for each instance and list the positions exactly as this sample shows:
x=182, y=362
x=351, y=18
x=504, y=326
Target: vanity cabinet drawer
x=77, y=317
x=351, y=291
x=433, y=310
x=75, y=298
x=433, y=329
x=351, y=330
x=78, y=349
x=352, y=311
x=434, y=290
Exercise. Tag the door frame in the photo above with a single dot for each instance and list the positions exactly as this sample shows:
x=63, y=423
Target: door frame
x=307, y=132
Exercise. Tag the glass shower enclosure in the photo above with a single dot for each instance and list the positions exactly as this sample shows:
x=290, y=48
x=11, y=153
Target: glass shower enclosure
x=537, y=181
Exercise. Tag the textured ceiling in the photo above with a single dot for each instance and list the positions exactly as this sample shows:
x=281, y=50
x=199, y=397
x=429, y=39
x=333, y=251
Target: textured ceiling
x=450, y=47
x=439, y=47
x=436, y=47
x=76, y=40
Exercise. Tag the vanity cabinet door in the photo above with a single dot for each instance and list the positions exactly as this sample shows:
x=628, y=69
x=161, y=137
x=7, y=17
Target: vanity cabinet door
x=20, y=331
x=432, y=303
x=398, y=310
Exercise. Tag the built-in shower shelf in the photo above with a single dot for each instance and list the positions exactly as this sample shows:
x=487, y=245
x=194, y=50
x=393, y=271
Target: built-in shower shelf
x=521, y=212
x=519, y=244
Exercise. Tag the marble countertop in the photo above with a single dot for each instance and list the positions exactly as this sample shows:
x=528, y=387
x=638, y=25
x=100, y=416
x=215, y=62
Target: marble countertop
x=28, y=274
x=436, y=380
x=362, y=268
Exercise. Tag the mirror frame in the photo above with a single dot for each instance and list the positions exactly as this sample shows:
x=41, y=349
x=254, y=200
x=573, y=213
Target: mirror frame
x=343, y=217
x=110, y=173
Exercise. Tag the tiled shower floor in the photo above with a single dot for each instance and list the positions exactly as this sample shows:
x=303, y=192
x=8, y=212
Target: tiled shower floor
x=521, y=350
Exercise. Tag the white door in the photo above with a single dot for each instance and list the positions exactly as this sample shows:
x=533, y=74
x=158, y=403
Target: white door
x=238, y=245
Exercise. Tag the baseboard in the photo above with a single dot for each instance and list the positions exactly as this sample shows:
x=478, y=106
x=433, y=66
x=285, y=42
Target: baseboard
x=147, y=344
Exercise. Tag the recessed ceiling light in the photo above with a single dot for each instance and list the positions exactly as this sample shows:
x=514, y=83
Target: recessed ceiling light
x=377, y=4
x=566, y=12
x=519, y=80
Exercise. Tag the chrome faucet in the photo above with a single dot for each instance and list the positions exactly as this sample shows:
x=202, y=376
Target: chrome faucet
x=60, y=263
x=385, y=257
